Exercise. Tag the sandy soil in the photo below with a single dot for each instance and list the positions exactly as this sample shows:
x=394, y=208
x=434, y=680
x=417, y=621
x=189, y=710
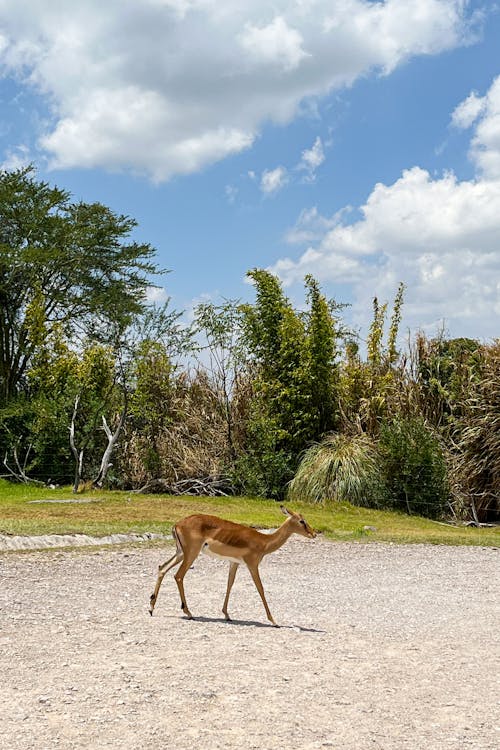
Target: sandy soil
x=381, y=646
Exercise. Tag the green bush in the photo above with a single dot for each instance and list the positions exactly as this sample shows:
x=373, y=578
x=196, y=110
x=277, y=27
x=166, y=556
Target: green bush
x=261, y=475
x=265, y=467
x=414, y=467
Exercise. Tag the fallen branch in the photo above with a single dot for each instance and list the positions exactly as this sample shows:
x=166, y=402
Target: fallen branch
x=208, y=486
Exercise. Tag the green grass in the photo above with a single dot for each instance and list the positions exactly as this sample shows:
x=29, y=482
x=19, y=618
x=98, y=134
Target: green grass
x=121, y=512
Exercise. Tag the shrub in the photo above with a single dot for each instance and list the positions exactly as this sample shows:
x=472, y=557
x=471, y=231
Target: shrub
x=264, y=467
x=414, y=467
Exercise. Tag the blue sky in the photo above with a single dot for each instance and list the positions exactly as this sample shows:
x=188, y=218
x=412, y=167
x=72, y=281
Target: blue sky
x=356, y=141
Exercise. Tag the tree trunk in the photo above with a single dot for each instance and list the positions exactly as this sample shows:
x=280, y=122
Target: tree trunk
x=77, y=454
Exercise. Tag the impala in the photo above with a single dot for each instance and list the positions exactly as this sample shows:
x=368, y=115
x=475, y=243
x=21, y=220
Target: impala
x=228, y=541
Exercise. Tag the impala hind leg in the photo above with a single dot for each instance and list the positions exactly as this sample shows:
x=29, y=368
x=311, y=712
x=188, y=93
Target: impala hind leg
x=162, y=570
x=232, y=575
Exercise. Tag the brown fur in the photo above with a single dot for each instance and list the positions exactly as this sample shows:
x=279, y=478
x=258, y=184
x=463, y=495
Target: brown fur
x=231, y=540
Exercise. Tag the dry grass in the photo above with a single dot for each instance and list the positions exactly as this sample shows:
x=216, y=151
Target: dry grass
x=477, y=458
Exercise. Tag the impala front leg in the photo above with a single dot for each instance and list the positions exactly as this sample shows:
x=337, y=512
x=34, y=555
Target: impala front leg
x=254, y=571
x=232, y=575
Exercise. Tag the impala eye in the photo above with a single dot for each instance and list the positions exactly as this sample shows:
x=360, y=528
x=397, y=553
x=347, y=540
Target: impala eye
x=302, y=522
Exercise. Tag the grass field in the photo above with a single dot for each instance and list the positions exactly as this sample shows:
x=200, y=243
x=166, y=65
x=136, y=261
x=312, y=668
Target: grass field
x=28, y=510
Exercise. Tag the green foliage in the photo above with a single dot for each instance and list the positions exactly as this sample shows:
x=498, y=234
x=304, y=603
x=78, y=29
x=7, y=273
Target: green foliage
x=161, y=324
x=375, y=335
x=152, y=387
x=263, y=469
x=322, y=341
x=262, y=322
x=276, y=389
x=392, y=352
x=90, y=376
x=367, y=388
x=414, y=467
x=294, y=382
x=221, y=326
x=61, y=263
x=446, y=371
x=53, y=383
x=340, y=468
x=150, y=405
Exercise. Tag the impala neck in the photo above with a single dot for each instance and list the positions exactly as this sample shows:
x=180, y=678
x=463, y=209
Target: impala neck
x=278, y=538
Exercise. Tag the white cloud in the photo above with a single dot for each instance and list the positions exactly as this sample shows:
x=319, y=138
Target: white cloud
x=468, y=111
x=439, y=235
x=312, y=159
x=156, y=295
x=485, y=147
x=275, y=43
x=484, y=111
x=312, y=226
x=16, y=158
x=273, y=180
x=165, y=87
x=231, y=193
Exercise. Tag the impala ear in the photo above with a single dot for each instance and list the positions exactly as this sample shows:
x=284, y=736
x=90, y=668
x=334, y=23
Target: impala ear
x=285, y=511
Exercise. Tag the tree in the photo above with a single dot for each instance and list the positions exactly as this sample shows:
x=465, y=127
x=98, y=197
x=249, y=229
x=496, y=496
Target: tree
x=294, y=384
x=323, y=371
x=62, y=263
x=221, y=327
x=263, y=320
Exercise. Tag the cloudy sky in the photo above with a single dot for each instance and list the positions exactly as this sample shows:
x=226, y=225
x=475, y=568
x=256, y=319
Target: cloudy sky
x=358, y=141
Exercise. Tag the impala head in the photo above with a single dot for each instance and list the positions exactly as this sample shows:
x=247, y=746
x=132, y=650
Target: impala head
x=298, y=523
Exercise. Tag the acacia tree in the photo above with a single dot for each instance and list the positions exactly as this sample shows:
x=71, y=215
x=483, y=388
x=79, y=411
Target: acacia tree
x=62, y=263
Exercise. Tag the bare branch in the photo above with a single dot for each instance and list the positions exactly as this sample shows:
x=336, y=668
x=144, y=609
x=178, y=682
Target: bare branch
x=77, y=454
x=20, y=475
x=112, y=440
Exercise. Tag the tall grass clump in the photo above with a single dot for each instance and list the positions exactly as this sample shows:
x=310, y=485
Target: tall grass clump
x=476, y=487
x=340, y=468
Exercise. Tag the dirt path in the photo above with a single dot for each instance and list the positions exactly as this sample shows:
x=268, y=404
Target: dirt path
x=382, y=646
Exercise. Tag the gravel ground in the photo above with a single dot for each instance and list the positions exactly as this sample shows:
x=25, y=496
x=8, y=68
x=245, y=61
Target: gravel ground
x=381, y=646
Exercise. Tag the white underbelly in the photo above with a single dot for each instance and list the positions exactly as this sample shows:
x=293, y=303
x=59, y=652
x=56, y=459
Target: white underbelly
x=206, y=549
